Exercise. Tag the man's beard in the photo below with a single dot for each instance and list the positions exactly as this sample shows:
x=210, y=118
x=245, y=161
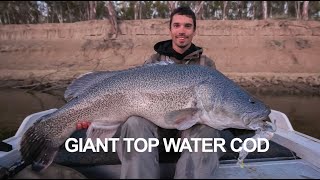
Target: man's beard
x=182, y=46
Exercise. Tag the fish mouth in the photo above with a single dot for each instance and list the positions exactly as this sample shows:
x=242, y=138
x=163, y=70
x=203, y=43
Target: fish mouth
x=263, y=124
x=263, y=129
x=254, y=119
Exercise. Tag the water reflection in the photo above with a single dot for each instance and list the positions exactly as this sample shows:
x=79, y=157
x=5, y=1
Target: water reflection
x=302, y=110
x=16, y=104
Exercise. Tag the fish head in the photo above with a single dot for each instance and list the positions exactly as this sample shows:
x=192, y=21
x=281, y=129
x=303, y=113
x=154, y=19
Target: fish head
x=234, y=107
x=249, y=110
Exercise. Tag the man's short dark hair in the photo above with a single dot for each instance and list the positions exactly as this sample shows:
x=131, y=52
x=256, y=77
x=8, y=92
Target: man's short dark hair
x=186, y=11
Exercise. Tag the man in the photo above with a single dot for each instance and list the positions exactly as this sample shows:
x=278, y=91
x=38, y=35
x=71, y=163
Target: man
x=181, y=50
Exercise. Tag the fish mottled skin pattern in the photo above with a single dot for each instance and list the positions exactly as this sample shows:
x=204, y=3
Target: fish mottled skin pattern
x=171, y=96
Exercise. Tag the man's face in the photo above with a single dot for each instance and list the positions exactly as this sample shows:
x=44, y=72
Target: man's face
x=182, y=32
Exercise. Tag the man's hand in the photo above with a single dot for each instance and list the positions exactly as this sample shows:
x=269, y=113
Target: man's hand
x=83, y=125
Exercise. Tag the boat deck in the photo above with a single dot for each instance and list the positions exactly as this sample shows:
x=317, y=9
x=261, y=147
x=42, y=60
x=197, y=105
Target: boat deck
x=277, y=169
x=291, y=155
x=295, y=169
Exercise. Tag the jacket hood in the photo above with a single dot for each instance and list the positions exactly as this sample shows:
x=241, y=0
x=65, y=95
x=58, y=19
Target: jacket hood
x=165, y=48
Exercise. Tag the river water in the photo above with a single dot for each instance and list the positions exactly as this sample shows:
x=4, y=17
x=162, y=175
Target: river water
x=15, y=104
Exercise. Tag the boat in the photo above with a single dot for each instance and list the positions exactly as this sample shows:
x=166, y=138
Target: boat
x=291, y=154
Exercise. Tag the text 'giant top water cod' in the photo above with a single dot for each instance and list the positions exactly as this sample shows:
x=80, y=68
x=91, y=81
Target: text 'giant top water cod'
x=171, y=96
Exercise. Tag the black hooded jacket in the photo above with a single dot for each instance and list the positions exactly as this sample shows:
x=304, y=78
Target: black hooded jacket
x=193, y=55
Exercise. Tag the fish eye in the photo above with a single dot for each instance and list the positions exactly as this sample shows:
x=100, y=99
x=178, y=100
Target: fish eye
x=252, y=101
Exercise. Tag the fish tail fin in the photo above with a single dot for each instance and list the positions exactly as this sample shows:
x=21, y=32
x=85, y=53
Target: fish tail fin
x=37, y=148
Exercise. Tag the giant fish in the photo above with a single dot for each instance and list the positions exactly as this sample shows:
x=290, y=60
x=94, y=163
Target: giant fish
x=171, y=96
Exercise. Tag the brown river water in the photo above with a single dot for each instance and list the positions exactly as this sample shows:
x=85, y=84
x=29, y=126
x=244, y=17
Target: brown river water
x=16, y=104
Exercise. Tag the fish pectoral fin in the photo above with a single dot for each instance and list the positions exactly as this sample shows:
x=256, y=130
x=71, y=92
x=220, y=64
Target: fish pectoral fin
x=182, y=119
x=101, y=130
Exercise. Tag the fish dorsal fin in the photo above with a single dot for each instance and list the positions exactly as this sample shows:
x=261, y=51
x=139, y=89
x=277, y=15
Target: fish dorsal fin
x=84, y=81
x=182, y=119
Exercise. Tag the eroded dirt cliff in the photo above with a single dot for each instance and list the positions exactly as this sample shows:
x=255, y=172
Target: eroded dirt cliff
x=262, y=55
